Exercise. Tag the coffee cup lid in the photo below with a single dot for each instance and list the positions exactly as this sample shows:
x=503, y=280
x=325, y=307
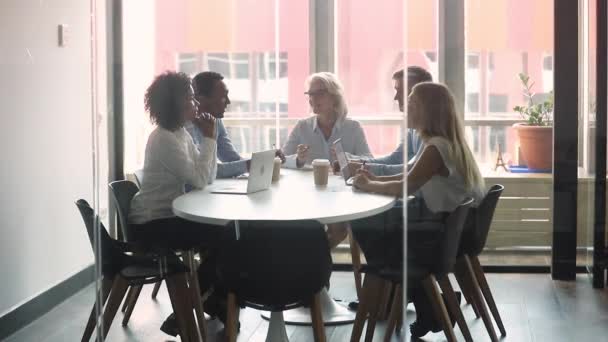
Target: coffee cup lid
x=320, y=162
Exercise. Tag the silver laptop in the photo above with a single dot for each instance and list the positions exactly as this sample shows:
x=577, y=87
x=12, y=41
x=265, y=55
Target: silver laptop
x=260, y=175
x=343, y=162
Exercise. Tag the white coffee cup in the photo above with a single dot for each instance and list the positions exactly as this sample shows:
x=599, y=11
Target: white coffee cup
x=320, y=169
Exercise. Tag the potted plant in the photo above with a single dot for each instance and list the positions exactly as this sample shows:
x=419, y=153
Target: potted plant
x=536, y=134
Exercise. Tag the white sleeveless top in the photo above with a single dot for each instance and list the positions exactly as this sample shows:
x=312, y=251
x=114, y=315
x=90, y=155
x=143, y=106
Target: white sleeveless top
x=444, y=194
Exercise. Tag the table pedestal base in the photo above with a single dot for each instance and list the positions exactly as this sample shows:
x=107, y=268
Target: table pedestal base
x=276, y=328
x=333, y=313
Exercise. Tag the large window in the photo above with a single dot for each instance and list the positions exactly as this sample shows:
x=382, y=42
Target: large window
x=237, y=39
x=502, y=39
x=265, y=49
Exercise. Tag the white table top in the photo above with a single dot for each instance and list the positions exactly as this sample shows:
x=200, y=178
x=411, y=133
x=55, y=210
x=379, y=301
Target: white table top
x=294, y=197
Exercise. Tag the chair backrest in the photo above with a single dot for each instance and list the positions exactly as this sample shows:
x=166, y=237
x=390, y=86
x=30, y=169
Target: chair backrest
x=122, y=193
x=139, y=177
x=481, y=219
x=111, y=253
x=450, y=239
x=275, y=265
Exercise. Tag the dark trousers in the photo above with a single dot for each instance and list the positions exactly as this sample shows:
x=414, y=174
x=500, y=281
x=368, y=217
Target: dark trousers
x=179, y=234
x=381, y=240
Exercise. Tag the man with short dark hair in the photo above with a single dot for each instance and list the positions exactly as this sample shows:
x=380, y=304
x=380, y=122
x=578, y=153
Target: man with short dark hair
x=393, y=163
x=212, y=94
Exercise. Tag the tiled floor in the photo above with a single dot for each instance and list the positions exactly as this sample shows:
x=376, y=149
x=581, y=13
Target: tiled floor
x=533, y=307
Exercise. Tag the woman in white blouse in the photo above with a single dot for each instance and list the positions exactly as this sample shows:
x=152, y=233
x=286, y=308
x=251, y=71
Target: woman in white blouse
x=444, y=173
x=312, y=138
x=172, y=160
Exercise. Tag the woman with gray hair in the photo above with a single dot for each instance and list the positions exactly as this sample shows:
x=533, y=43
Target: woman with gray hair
x=312, y=137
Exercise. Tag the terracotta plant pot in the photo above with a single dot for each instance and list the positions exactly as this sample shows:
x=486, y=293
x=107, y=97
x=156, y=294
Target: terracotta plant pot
x=536, y=144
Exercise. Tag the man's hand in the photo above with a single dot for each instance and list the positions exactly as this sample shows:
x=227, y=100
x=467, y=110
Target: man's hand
x=206, y=123
x=279, y=153
x=336, y=166
x=301, y=154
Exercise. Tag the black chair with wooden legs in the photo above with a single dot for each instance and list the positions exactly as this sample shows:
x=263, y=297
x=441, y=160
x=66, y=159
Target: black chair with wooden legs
x=122, y=193
x=120, y=268
x=275, y=266
x=427, y=276
x=468, y=269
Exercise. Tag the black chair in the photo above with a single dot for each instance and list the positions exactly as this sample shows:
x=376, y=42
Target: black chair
x=426, y=274
x=120, y=268
x=276, y=266
x=139, y=177
x=122, y=193
x=469, y=272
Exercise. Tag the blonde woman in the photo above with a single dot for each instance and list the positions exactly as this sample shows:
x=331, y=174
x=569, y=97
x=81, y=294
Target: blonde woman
x=443, y=174
x=312, y=137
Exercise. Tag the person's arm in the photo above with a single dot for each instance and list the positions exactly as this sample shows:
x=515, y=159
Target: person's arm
x=395, y=158
x=232, y=169
x=384, y=169
x=190, y=165
x=428, y=165
x=225, y=149
x=390, y=187
x=291, y=146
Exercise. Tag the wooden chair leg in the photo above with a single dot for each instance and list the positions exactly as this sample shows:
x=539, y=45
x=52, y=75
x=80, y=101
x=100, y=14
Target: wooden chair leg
x=487, y=293
x=182, y=306
x=317, y=319
x=125, y=305
x=232, y=318
x=461, y=272
x=400, y=317
x=104, y=292
x=478, y=298
x=155, y=289
x=454, y=308
x=196, y=295
x=117, y=293
x=430, y=287
x=465, y=285
x=394, y=314
x=373, y=305
x=355, y=254
x=131, y=300
x=385, y=300
x=365, y=305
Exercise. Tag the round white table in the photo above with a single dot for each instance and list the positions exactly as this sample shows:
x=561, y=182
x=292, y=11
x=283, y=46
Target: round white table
x=294, y=197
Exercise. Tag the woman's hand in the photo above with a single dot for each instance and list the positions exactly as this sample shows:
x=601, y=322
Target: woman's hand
x=301, y=154
x=206, y=123
x=362, y=180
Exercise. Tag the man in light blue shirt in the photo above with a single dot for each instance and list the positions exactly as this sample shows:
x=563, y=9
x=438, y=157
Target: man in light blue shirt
x=212, y=94
x=392, y=164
